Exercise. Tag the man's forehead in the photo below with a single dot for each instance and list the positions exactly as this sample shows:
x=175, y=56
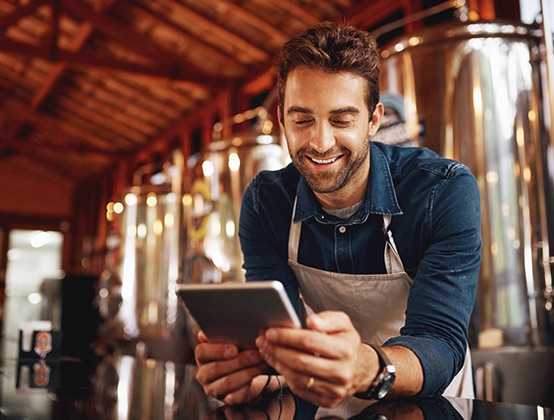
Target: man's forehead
x=310, y=90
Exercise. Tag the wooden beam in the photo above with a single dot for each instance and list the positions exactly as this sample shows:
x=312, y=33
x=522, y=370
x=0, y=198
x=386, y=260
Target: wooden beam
x=367, y=13
x=218, y=31
x=229, y=7
x=179, y=127
x=20, y=221
x=299, y=13
x=194, y=42
x=54, y=28
x=51, y=80
x=7, y=20
x=82, y=151
x=90, y=60
x=137, y=42
x=56, y=128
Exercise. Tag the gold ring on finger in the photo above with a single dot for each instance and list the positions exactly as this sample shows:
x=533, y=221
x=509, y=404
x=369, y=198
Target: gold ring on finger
x=310, y=383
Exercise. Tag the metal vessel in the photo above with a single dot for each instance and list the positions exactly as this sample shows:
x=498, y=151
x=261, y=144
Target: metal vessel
x=136, y=294
x=477, y=87
x=481, y=92
x=218, y=177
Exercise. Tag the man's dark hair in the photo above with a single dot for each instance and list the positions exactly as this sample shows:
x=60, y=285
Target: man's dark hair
x=331, y=47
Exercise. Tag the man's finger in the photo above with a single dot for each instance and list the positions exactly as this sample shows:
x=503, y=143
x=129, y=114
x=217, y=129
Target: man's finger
x=329, y=322
x=205, y=352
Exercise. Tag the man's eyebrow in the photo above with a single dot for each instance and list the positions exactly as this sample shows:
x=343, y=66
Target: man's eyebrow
x=300, y=109
x=345, y=110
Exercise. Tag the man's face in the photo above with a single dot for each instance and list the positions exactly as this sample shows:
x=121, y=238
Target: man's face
x=327, y=126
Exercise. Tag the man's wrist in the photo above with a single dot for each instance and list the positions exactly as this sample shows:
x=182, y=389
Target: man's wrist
x=383, y=380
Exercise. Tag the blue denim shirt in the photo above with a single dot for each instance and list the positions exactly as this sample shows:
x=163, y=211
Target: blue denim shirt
x=435, y=208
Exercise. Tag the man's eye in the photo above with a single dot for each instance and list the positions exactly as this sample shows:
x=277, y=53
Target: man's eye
x=302, y=121
x=341, y=123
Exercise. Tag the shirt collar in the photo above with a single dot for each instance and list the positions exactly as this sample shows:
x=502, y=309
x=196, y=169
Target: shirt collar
x=380, y=197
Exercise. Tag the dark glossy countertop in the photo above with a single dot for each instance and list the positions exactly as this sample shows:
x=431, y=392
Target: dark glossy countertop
x=124, y=387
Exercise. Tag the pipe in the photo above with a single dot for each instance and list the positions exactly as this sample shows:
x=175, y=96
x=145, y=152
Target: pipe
x=459, y=5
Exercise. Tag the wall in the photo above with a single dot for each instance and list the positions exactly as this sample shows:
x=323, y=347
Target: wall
x=33, y=194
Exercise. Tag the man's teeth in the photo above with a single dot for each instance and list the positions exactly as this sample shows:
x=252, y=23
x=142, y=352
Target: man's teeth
x=323, y=161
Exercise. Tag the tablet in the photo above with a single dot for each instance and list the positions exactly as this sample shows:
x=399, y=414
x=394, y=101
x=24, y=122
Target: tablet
x=237, y=313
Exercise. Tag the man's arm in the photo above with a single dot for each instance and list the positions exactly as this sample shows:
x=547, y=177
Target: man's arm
x=263, y=234
x=409, y=374
x=443, y=293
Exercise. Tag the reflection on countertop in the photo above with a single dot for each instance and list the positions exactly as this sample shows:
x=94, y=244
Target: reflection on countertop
x=110, y=387
x=125, y=387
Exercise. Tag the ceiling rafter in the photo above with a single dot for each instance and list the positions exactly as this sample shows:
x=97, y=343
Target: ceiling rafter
x=93, y=60
x=135, y=41
x=367, y=12
x=193, y=42
x=300, y=13
x=53, y=126
x=218, y=31
x=9, y=19
x=254, y=20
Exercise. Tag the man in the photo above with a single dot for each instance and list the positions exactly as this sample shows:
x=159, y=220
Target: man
x=380, y=243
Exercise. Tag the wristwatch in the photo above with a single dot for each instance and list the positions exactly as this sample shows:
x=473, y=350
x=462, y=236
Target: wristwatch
x=384, y=380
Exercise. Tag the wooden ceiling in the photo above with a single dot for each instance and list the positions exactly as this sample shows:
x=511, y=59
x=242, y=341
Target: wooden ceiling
x=87, y=84
x=84, y=83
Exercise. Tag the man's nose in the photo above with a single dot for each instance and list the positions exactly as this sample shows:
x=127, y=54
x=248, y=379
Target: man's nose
x=322, y=138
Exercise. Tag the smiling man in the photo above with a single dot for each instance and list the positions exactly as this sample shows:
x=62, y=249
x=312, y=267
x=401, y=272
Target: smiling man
x=325, y=121
x=379, y=245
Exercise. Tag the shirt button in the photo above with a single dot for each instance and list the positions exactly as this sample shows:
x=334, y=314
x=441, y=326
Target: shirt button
x=342, y=229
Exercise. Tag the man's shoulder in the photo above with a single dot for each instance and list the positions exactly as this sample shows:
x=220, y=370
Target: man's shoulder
x=405, y=160
x=285, y=178
x=272, y=191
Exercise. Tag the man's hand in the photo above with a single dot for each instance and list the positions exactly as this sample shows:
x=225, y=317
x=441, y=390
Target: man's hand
x=230, y=375
x=324, y=364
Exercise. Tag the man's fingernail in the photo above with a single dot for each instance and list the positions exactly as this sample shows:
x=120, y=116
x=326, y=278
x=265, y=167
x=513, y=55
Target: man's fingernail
x=271, y=335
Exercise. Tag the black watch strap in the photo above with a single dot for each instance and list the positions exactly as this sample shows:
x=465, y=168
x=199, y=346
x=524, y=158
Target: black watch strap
x=384, y=380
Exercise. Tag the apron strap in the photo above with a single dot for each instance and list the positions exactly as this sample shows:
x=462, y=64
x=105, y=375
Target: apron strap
x=294, y=235
x=393, y=262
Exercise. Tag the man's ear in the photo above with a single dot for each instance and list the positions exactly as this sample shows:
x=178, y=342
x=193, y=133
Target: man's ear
x=280, y=117
x=376, y=118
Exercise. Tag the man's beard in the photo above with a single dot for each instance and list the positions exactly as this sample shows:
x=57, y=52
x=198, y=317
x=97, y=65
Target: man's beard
x=331, y=180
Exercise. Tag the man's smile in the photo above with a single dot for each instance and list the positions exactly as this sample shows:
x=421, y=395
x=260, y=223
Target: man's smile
x=323, y=161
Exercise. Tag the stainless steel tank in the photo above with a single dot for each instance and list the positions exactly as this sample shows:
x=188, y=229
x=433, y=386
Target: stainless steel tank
x=218, y=177
x=478, y=89
x=137, y=295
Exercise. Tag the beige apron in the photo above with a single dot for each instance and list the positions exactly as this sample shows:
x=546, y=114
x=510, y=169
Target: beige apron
x=376, y=303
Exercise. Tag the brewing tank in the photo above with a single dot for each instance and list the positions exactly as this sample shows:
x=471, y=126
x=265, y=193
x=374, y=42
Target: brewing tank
x=136, y=295
x=477, y=89
x=217, y=179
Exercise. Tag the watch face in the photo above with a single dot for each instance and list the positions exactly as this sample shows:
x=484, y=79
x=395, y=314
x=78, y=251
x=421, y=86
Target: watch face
x=384, y=386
